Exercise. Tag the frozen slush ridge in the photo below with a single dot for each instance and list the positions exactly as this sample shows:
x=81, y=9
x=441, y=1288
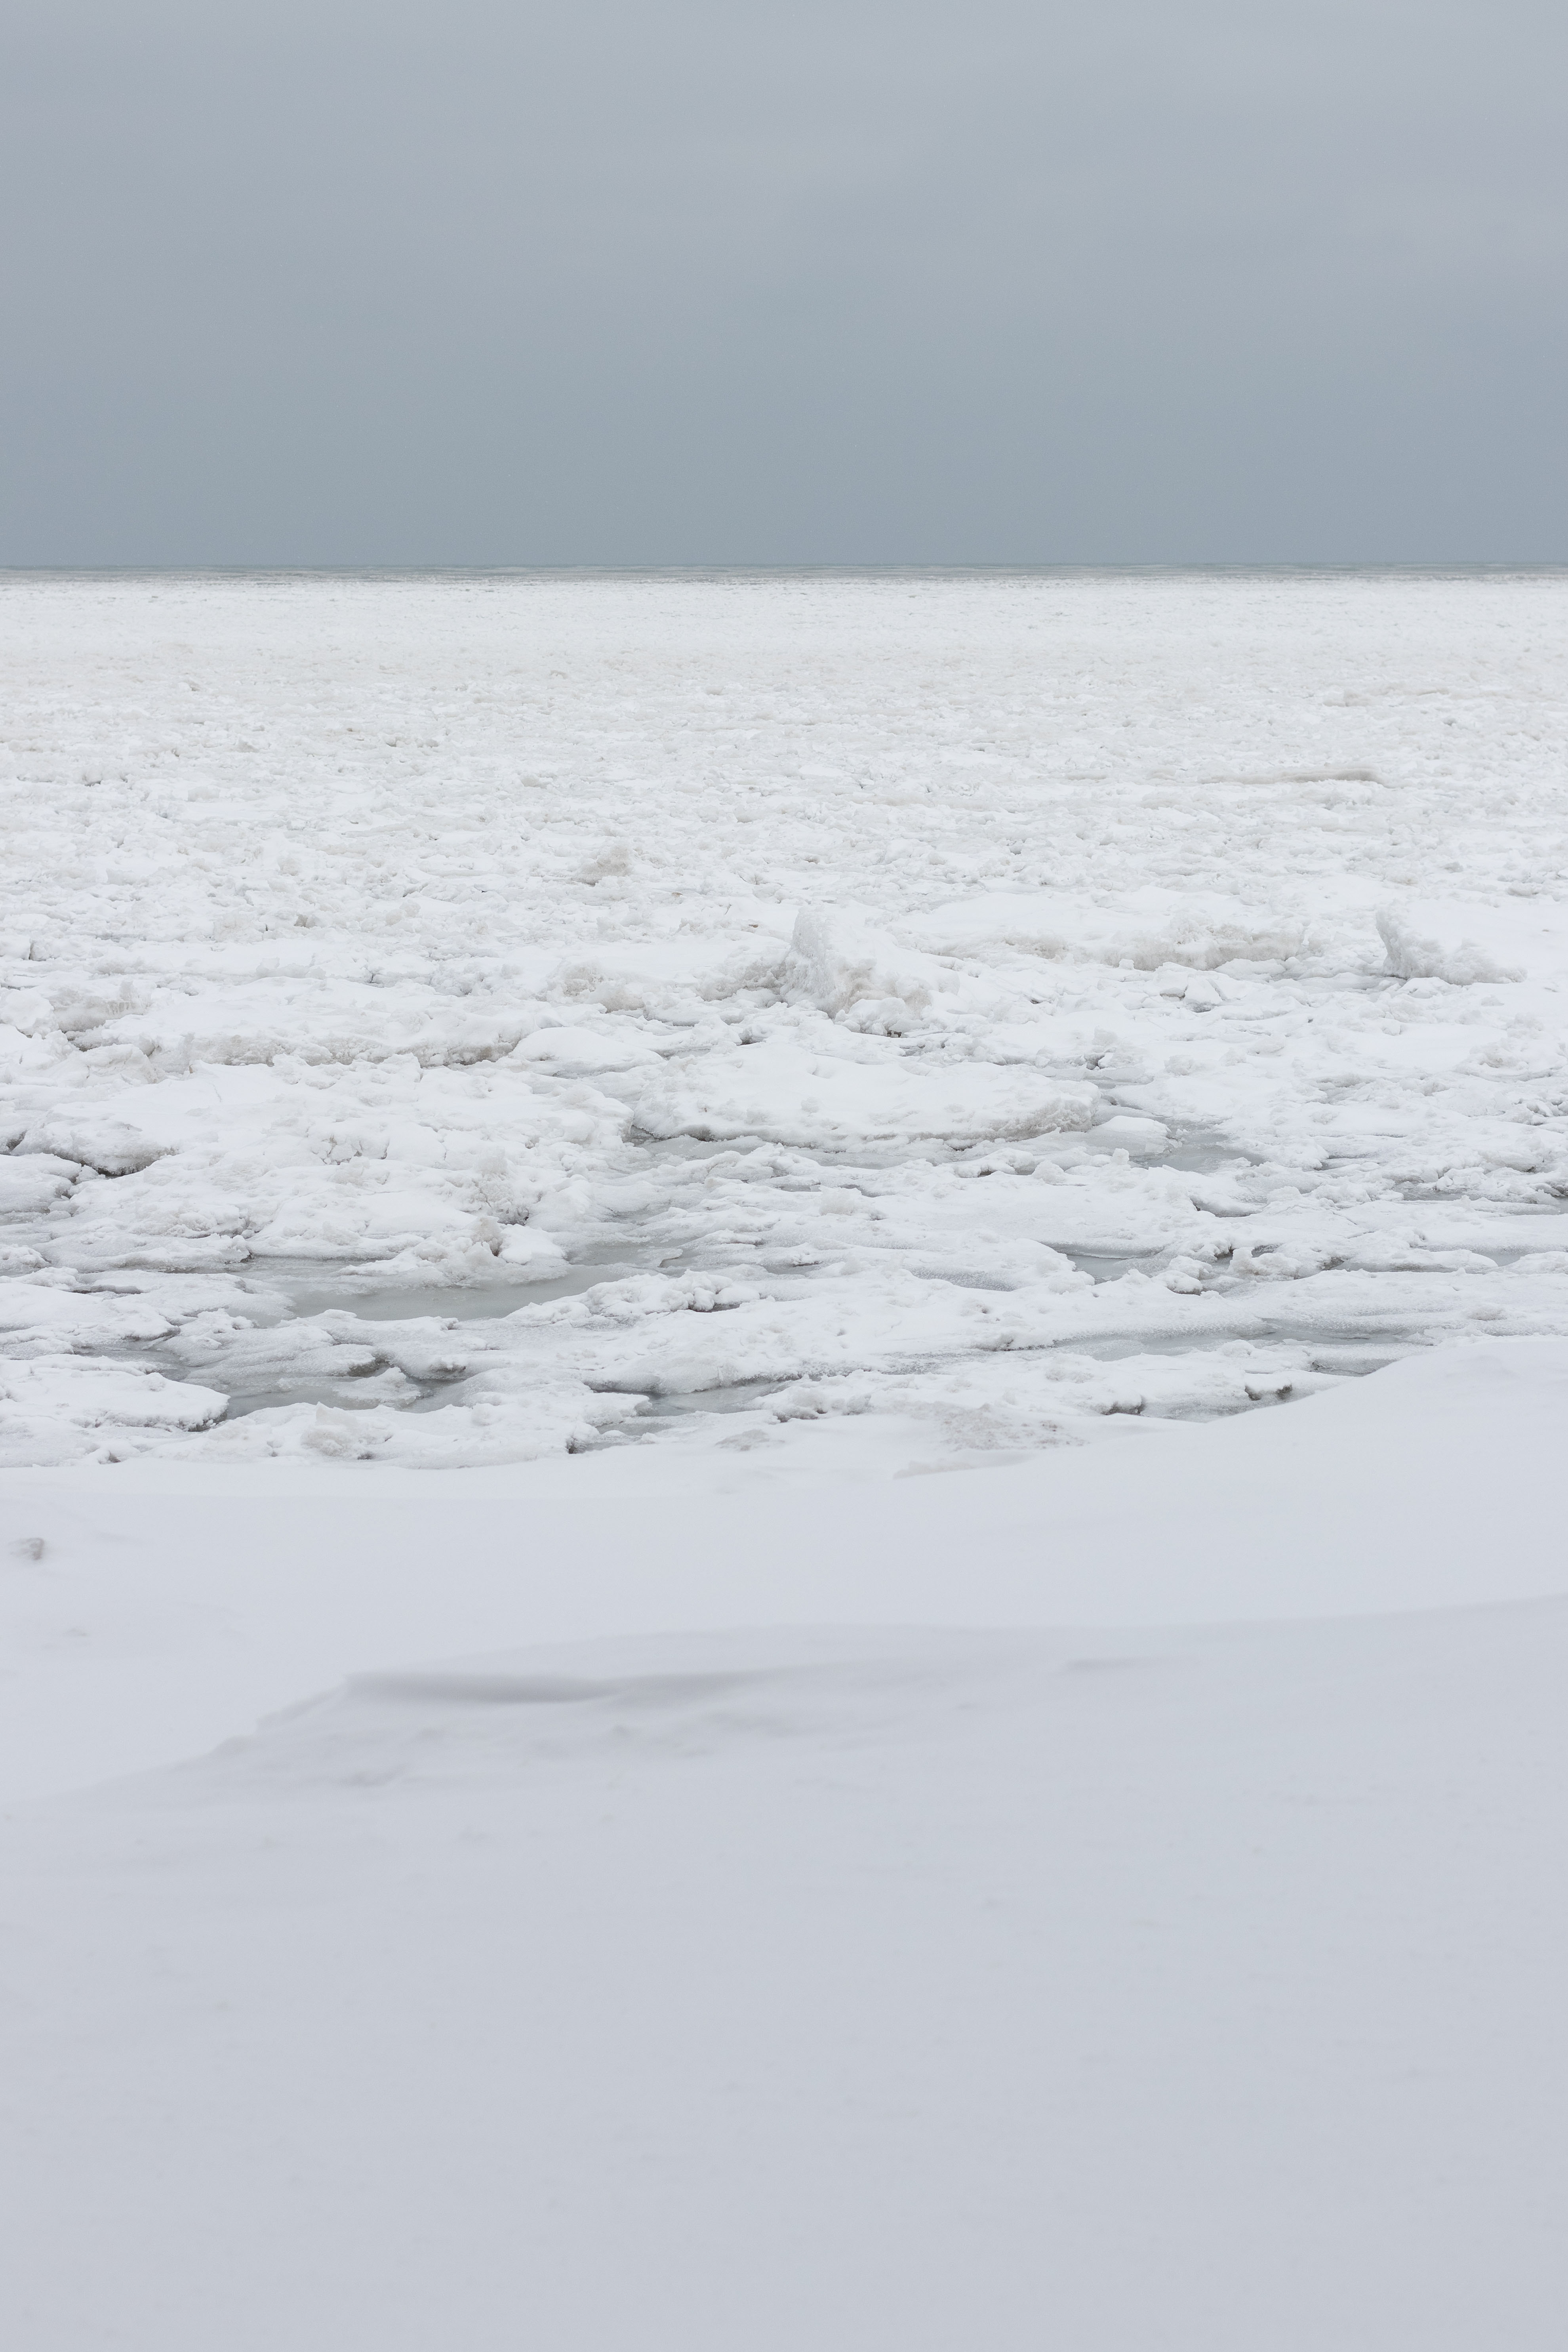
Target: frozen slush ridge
x=850, y=971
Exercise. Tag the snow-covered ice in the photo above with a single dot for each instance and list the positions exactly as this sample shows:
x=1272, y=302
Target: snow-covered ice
x=538, y=1112
x=854, y=970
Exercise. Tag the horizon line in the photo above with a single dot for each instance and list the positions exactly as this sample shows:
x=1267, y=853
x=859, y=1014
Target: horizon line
x=1435, y=567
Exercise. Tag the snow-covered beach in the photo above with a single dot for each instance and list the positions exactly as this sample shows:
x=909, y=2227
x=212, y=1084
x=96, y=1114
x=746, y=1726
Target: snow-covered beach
x=540, y=1111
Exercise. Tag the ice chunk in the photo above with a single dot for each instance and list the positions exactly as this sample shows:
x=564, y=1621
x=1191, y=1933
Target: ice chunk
x=839, y=959
x=1411, y=956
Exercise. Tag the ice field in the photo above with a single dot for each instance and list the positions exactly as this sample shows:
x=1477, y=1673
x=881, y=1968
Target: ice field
x=461, y=1022
x=541, y=1113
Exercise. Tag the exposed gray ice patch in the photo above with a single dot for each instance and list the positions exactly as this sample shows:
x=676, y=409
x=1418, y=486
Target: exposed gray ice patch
x=737, y=1396
x=1347, y=1352
x=1106, y=1265
x=478, y=1302
x=1196, y=1154
x=964, y=1281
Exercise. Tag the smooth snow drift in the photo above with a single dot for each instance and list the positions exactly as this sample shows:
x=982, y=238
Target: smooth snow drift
x=1173, y=1982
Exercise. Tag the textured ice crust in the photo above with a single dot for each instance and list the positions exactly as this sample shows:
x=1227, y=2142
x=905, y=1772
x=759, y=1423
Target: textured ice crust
x=1001, y=1010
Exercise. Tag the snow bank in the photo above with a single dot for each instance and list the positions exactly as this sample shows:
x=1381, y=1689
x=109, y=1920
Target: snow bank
x=961, y=1959
x=257, y=1581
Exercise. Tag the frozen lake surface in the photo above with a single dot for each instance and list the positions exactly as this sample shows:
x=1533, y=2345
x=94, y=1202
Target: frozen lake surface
x=442, y=1015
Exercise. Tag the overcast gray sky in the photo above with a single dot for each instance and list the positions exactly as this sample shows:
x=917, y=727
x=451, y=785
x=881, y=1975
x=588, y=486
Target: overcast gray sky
x=844, y=281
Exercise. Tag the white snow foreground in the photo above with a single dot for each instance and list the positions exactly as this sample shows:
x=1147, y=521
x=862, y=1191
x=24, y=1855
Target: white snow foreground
x=570, y=1972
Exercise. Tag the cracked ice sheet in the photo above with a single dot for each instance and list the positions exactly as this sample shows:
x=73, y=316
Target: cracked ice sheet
x=957, y=1016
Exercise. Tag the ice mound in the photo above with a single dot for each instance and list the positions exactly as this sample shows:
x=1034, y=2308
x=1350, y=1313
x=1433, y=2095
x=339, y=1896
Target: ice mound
x=839, y=961
x=1145, y=929
x=111, y=1146
x=1411, y=956
x=783, y=1091
x=58, y=1408
x=657, y=976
